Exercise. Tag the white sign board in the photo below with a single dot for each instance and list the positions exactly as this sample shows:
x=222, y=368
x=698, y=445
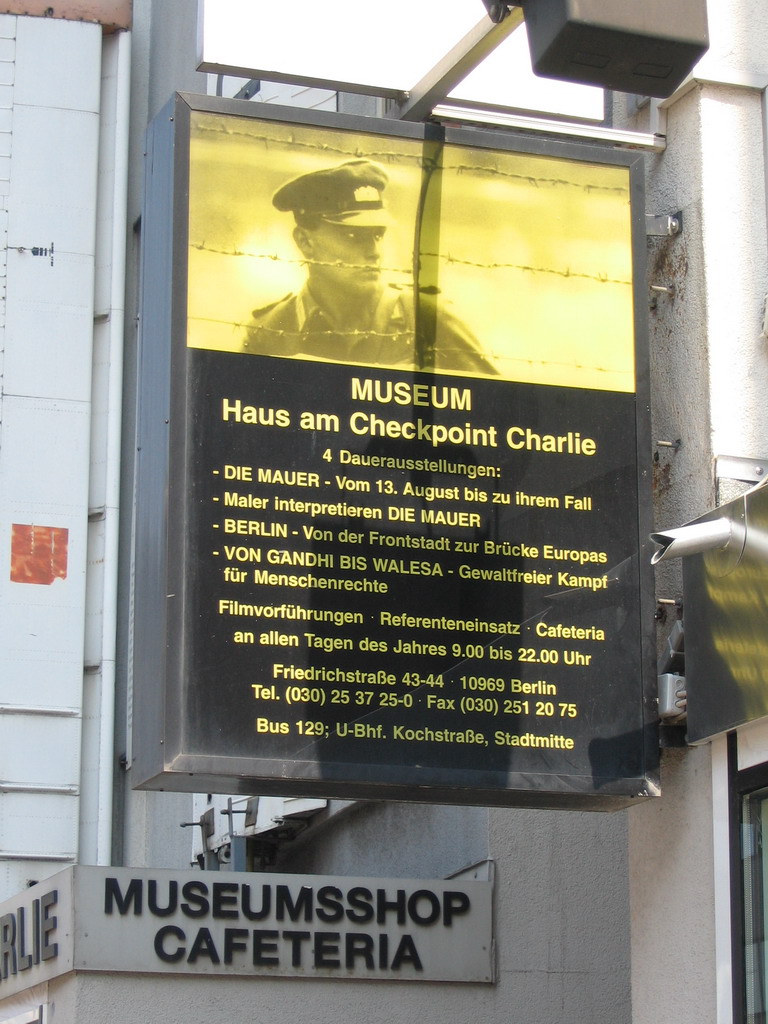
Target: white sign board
x=195, y=922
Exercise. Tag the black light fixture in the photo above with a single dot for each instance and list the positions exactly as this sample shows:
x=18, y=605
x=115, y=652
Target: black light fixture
x=637, y=46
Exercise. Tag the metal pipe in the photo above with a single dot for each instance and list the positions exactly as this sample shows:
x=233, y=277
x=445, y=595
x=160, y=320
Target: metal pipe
x=99, y=699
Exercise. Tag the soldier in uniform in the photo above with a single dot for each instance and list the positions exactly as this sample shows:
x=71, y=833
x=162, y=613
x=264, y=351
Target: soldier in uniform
x=344, y=312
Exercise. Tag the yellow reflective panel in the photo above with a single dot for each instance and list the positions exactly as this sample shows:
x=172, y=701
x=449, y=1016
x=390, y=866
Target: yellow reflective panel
x=530, y=255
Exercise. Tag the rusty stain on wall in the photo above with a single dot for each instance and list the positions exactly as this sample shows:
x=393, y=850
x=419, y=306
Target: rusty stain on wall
x=39, y=554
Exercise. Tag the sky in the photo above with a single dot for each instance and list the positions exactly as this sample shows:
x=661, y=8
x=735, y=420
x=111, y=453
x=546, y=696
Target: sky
x=388, y=46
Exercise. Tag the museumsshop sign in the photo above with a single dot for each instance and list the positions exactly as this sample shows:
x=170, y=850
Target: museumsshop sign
x=270, y=925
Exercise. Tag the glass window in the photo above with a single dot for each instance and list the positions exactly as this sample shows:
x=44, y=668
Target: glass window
x=754, y=854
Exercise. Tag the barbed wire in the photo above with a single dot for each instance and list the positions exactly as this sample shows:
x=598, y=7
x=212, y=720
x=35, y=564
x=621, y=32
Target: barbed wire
x=299, y=261
x=417, y=159
x=526, y=268
x=447, y=258
x=498, y=357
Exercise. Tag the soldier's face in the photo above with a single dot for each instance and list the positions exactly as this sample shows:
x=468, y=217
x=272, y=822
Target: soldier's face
x=342, y=256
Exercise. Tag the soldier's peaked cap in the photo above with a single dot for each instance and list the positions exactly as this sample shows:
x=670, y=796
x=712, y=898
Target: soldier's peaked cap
x=350, y=193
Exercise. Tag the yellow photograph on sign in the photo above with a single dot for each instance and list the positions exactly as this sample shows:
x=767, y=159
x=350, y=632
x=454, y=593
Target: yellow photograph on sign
x=371, y=250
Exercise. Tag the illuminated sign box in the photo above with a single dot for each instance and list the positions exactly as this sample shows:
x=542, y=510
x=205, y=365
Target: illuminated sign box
x=391, y=520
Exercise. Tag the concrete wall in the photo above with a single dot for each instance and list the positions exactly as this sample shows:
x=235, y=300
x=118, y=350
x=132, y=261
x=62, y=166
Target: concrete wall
x=710, y=389
x=672, y=894
x=561, y=907
x=124, y=999
x=560, y=927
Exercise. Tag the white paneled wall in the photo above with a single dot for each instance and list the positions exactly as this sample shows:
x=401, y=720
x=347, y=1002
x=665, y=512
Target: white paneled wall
x=50, y=80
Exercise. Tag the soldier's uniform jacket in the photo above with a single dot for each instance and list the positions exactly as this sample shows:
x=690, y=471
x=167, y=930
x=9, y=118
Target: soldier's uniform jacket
x=295, y=326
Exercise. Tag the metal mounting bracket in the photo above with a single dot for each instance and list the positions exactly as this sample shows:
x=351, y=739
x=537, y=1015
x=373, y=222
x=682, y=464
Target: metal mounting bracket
x=733, y=467
x=673, y=697
x=664, y=225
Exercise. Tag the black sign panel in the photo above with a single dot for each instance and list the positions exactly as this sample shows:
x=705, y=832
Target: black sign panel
x=402, y=506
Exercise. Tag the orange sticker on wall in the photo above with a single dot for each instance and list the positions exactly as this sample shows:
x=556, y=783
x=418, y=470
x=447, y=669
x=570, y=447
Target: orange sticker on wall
x=38, y=554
